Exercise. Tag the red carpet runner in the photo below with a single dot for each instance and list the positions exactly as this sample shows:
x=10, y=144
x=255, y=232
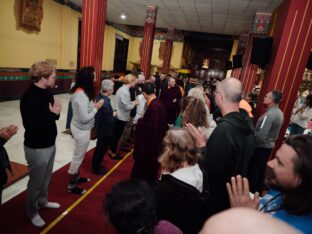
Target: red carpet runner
x=86, y=217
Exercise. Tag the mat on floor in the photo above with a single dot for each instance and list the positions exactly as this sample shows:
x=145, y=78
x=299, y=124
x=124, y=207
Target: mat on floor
x=86, y=217
x=19, y=172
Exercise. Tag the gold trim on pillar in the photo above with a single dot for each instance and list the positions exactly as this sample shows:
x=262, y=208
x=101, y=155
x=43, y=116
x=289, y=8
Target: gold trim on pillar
x=293, y=52
x=299, y=61
x=288, y=39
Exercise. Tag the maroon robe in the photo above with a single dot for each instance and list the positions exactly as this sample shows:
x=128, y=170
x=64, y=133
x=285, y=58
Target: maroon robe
x=172, y=108
x=149, y=135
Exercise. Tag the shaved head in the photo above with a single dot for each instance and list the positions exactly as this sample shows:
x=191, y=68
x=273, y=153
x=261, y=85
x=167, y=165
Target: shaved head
x=231, y=89
x=245, y=221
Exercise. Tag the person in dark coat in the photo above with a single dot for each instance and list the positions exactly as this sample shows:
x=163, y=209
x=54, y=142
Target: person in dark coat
x=104, y=124
x=183, y=185
x=230, y=147
x=171, y=96
x=5, y=134
x=149, y=134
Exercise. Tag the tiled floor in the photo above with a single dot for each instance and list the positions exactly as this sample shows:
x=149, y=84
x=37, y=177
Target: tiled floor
x=10, y=114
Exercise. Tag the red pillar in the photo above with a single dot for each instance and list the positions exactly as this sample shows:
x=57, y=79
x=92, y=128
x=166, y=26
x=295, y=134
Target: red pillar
x=292, y=42
x=148, y=40
x=92, y=36
x=168, y=50
x=259, y=27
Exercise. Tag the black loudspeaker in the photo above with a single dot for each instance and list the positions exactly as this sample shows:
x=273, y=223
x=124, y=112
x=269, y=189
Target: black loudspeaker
x=237, y=61
x=309, y=65
x=261, y=51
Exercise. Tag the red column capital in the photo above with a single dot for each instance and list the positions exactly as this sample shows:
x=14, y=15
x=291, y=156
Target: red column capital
x=148, y=40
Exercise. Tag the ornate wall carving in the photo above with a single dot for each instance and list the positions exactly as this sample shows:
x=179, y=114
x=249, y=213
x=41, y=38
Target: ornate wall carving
x=31, y=14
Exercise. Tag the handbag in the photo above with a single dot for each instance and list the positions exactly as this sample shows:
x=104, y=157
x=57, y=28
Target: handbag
x=93, y=135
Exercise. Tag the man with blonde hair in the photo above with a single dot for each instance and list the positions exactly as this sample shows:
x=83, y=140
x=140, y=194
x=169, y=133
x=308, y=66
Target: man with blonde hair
x=124, y=105
x=39, y=112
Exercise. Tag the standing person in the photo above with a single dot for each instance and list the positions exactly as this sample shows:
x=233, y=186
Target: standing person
x=84, y=110
x=124, y=105
x=149, y=134
x=104, y=123
x=5, y=134
x=69, y=110
x=266, y=132
x=230, y=146
x=39, y=112
x=179, y=193
x=157, y=84
x=126, y=136
x=171, y=96
x=301, y=117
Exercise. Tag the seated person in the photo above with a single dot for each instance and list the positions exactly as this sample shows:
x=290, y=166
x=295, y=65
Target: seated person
x=180, y=191
x=130, y=207
x=289, y=177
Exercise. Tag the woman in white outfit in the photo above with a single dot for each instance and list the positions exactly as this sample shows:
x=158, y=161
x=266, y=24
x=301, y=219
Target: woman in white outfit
x=84, y=110
x=301, y=117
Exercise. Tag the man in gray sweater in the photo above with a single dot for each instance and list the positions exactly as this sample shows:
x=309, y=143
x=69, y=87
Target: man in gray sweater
x=266, y=132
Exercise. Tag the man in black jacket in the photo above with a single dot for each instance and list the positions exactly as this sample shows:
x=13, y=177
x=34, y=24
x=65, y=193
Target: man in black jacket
x=39, y=112
x=230, y=146
x=5, y=134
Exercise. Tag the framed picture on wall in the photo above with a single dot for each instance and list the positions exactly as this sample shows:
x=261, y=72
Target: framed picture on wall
x=31, y=14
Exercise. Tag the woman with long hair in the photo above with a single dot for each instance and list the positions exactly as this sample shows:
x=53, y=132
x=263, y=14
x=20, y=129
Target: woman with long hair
x=194, y=111
x=84, y=110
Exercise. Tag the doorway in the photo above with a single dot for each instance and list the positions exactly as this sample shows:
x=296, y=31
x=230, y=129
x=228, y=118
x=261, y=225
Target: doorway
x=121, y=54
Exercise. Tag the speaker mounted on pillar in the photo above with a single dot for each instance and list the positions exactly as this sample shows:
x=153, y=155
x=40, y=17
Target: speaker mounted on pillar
x=261, y=51
x=237, y=61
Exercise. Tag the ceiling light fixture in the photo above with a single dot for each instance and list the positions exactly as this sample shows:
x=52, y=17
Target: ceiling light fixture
x=123, y=16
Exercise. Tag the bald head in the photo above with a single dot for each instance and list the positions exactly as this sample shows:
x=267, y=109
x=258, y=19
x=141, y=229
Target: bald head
x=245, y=221
x=231, y=89
x=171, y=82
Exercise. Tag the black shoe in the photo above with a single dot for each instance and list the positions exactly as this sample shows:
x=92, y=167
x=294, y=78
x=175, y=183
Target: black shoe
x=116, y=157
x=83, y=180
x=101, y=171
x=76, y=190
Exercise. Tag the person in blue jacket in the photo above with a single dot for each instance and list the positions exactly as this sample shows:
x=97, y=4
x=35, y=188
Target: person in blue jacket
x=289, y=177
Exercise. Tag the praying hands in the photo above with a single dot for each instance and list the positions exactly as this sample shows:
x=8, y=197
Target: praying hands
x=239, y=195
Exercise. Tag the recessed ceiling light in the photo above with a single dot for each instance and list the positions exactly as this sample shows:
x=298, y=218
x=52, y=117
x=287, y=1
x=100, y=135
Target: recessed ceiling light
x=123, y=16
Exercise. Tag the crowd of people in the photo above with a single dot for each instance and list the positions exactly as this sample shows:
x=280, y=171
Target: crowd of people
x=196, y=153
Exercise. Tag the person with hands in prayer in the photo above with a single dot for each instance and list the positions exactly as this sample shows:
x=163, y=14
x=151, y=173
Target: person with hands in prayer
x=288, y=177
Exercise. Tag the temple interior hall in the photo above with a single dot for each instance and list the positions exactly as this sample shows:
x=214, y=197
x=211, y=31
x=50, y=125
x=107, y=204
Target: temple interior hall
x=265, y=44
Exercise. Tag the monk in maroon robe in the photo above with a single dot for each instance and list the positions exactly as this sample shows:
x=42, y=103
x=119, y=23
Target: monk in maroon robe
x=171, y=97
x=149, y=134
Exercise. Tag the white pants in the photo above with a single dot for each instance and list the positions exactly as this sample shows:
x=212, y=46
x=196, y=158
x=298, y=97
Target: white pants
x=82, y=139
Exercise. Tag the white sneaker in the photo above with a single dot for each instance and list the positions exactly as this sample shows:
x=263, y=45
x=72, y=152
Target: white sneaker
x=37, y=221
x=52, y=205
